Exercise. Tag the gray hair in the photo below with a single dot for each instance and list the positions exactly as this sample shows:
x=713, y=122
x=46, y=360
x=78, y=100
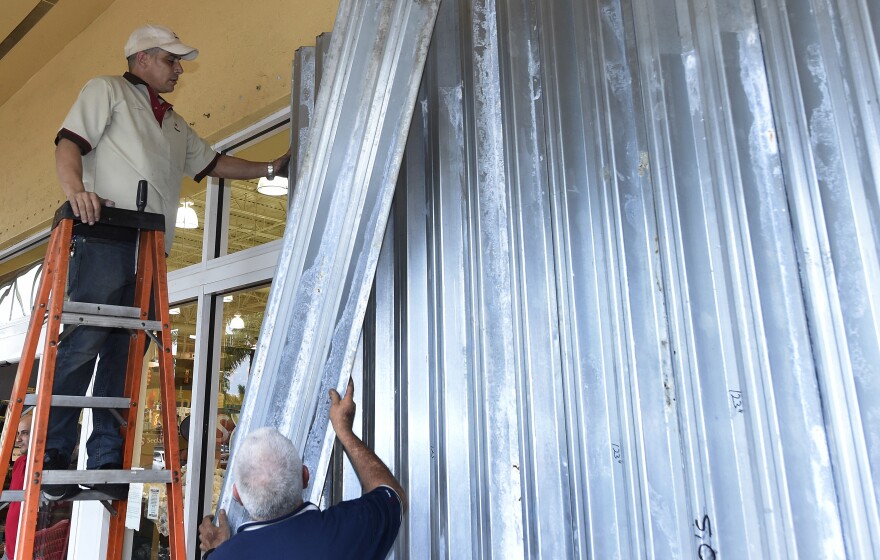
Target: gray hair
x=133, y=58
x=268, y=474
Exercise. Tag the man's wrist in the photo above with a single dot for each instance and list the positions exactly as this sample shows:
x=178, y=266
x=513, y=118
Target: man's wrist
x=345, y=435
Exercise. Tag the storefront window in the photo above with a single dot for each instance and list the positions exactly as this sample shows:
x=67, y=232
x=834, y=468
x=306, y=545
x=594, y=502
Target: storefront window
x=17, y=294
x=257, y=212
x=151, y=540
x=189, y=231
x=242, y=320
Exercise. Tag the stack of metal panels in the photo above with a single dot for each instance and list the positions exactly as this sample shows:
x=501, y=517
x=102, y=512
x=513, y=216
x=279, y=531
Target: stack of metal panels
x=346, y=175
x=626, y=304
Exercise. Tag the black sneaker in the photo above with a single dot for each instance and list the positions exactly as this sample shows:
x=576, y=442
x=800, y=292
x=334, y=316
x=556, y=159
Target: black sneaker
x=53, y=460
x=114, y=491
x=61, y=492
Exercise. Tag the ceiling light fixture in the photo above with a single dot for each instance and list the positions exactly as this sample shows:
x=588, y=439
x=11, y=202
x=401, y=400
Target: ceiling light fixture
x=276, y=186
x=236, y=322
x=227, y=299
x=186, y=216
x=174, y=311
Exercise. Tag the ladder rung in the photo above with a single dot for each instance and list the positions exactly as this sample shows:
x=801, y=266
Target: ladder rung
x=90, y=478
x=101, y=309
x=12, y=496
x=81, y=402
x=83, y=495
x=109, y=321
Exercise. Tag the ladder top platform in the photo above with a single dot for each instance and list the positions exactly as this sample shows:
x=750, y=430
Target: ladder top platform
x=116, y=217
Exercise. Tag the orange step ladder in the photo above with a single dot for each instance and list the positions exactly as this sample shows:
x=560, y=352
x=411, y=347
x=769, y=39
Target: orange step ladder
x=51, y=308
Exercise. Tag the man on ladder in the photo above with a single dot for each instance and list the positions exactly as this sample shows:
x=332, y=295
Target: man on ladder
x=119, y=131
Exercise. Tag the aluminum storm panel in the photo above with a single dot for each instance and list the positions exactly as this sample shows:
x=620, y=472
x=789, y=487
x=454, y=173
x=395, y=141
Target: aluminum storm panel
x=302, y=106
x=827, y=78
x=370, y=77
x=626, y=303
x=629, y=287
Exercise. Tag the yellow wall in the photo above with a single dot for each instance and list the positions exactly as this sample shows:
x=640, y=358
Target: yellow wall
x=242, y=73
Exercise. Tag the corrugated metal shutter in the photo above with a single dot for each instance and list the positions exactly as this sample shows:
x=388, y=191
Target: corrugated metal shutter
x=628, y=304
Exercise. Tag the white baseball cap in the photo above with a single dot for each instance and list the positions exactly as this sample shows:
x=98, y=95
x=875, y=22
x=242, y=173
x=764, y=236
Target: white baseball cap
x=151, y=36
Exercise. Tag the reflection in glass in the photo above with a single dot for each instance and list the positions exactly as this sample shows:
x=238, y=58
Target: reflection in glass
x=151, y=540
x=253, y=217
x=257, y=214
x=190, y=230
x=242, y=320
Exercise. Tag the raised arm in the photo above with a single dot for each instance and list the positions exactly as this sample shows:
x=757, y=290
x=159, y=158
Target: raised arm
x=370, y=469
x=231, y=167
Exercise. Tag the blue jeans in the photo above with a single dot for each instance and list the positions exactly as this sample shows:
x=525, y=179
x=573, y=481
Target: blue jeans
x=101, y=271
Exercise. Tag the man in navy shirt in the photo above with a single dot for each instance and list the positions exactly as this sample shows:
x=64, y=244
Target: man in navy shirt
x=269, y=478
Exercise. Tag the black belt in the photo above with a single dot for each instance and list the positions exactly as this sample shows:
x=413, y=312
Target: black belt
x=107, y=233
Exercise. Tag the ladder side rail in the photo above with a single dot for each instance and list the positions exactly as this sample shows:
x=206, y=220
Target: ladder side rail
x=34, y=470
x=133, y=376
x=173, y=492
x=26, y=363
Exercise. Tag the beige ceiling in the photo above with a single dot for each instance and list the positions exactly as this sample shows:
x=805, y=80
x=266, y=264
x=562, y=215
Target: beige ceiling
x=61, y=23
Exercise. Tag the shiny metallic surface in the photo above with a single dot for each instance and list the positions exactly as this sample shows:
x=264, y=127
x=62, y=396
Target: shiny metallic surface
x=302, y=106
x=369, y=78
x=627, y=302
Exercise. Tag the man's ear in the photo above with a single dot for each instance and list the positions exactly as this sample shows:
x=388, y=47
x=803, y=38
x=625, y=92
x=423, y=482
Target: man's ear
x=235, y=494
x=305, y=478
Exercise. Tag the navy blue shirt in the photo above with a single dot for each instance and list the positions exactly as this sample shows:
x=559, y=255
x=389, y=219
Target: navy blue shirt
x=359, y=529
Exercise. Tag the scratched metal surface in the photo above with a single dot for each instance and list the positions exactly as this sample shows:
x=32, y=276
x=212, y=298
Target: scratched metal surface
x=369, y=75
x=627, y=304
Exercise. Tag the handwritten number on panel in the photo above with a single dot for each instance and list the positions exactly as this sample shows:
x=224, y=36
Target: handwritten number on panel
x=703, y=529
x=736, y=401
x=704, y=534
x=706, y=552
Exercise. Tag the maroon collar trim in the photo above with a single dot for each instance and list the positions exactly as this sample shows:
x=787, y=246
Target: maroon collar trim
x=159, y=105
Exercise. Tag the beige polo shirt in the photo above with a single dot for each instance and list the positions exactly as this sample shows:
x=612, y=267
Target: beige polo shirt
x=122, y=142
